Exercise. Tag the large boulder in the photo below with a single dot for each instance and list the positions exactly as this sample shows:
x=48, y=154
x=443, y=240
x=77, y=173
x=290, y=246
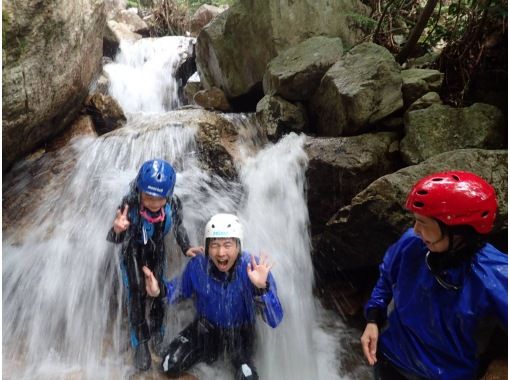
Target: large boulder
x=115, y=33
x=105, y=111
x=202, y=16
x=295, y=73
x=212, y=99
x=360, y=89
x=359, y=234
x=234, y=49
x=278, y=116
x=417, y=82
x=425, y=101
x=51, y=52
x=441, y=128
x=340, y=167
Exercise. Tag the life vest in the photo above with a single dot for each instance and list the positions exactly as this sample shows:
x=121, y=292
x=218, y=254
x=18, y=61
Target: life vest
x=143, y=230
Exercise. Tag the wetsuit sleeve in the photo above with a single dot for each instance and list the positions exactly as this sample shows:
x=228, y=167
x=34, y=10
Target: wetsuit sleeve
x=376, y=307
x=268, y=303
x=181, y=235
x=113, y=237
x=496, y=282
x=180, y=287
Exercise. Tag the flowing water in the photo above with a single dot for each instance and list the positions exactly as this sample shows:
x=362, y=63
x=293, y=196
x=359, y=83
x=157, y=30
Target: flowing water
x=63, y=301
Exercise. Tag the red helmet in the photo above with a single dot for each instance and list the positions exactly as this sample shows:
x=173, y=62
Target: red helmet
x=455, y=198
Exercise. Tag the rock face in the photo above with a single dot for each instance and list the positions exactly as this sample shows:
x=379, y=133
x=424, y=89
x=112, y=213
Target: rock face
x=278, y=116
x=359, y=234
x=51, y=53
x=341, y=167
x=441, y=128
x=360, y=89
x=212, y=99
x=203, y=15
x=417, y=82
x=295, y=74
x=425, y=101
x=106, y=113
x=234, y=49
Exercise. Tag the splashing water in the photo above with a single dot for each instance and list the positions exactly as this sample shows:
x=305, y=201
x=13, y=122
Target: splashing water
x=142, y=78
x=63, y=300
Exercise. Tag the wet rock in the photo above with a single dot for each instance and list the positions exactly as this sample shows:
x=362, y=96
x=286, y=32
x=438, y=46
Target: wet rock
x=278, y=116
x=359, y=234
x=129, y=17
x=193, y=85
x=52, y=51
x=234, y=49
x=114, y=33
x=341, y=167
x=185, y=69
x=106, y=113
x=441, y=128
x=425, y=101
x=360, y=89
x=214, y=141
x=212, y=99
x=83, y=126
x=295, y=74
x=418, y=82
x=202, y=16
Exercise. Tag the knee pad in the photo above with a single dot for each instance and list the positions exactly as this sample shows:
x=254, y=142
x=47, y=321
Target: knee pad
x=246, y=372
x=180, y=356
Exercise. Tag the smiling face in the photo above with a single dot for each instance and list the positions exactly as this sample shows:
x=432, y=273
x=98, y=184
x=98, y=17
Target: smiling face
x=429, y=231
x=152, y=203
x=223, y=253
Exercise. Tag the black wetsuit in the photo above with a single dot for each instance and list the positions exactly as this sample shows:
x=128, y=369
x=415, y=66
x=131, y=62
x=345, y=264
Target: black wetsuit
x=136, y=254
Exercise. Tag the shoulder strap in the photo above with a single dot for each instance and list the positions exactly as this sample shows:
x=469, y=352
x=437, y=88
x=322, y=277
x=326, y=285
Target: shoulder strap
x=168, y=219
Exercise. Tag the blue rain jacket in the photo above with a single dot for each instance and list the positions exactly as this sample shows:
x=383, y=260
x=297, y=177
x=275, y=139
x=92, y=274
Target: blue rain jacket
x=431, y=331
x=225, y=302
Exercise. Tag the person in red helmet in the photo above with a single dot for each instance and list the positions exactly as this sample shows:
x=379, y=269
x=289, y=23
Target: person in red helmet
x=442, y=288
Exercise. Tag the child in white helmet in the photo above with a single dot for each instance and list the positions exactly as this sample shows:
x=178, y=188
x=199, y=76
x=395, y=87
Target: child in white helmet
x=229, y=286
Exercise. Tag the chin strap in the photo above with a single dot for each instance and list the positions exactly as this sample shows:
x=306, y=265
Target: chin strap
x=440, y=279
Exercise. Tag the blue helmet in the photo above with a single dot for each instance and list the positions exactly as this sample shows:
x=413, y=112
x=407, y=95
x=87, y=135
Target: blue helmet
x=156, y=178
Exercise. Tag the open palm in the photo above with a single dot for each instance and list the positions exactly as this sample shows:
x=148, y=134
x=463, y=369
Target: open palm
x=258, y=272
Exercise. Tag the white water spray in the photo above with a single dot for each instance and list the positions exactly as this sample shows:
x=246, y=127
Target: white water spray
x=62, y=295
x=142, y=78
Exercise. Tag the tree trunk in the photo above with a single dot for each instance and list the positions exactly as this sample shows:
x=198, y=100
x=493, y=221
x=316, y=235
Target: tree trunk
x=417, y=31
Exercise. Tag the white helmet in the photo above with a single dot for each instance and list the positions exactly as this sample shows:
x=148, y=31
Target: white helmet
x=224, y=226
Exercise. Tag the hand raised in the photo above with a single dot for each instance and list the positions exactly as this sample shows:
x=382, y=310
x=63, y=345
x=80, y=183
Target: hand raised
x=121, y=222
x=151, y=284
x=258, y=272
x=193, y=251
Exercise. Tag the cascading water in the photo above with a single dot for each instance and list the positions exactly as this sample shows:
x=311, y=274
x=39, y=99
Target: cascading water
x=62, y=294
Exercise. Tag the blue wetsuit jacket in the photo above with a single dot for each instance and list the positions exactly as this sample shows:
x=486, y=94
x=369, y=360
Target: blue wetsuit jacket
x=225, y=299
x=431, y=330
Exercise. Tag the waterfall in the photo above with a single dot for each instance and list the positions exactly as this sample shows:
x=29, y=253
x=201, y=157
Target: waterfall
x=63, y=300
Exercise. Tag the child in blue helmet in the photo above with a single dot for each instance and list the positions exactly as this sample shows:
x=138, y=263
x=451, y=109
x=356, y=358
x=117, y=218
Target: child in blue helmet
x=146, y=215
x=229, y=286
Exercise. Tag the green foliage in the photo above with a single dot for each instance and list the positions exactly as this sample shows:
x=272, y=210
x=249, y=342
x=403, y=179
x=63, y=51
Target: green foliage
x=368, y=24
x=454, y=18
x=193, y=5
x=172, y=17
